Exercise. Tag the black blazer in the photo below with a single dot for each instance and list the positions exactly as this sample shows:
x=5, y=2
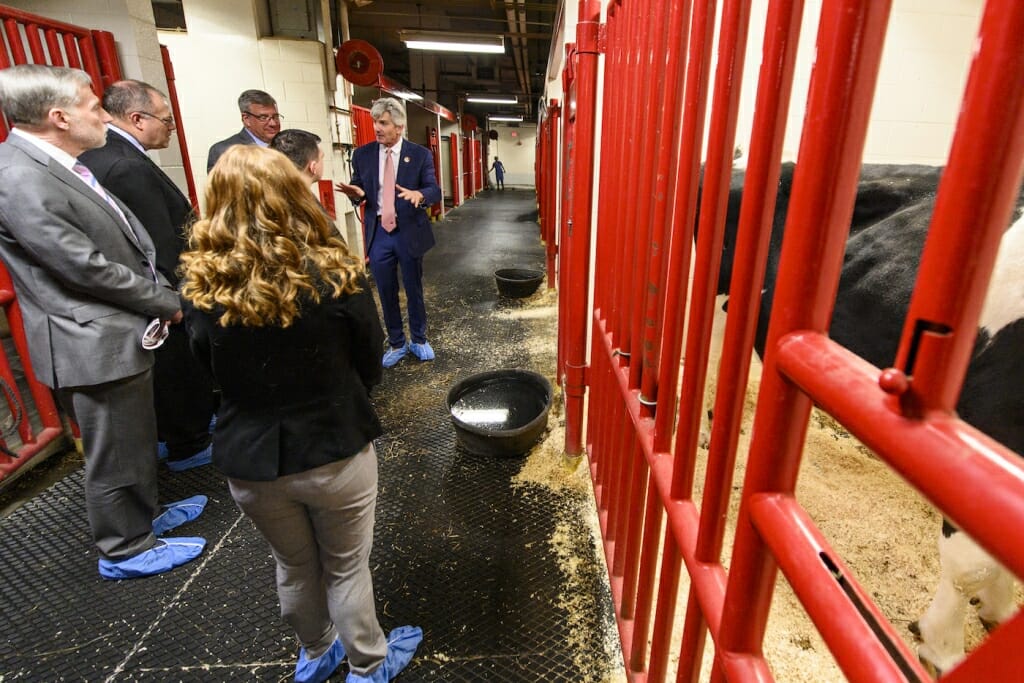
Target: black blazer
x=293, y=398
x=216, y=149
x=152, y=196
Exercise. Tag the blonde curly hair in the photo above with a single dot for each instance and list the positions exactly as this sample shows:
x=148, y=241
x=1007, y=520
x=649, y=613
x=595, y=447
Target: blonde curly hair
x=265, y=246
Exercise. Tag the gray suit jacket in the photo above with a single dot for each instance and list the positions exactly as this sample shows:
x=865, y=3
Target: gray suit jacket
x=240, y=138
x=82, y=278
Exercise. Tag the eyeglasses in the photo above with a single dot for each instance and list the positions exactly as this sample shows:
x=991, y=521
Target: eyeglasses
x=263, y=118
x=166, y=120
x=155, y=334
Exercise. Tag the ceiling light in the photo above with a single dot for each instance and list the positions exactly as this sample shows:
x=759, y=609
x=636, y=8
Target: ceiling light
x=511, y=119
x=451, y=41
x=493, y=99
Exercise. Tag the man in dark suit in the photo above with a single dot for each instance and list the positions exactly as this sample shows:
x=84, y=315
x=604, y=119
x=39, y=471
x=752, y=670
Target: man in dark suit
x=185, y=397
x=396, y=228
x=303, y=149
x=84, y=274
x=260, y=123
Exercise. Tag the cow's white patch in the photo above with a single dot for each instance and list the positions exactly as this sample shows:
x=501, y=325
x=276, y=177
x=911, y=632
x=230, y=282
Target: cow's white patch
x=1004, y=303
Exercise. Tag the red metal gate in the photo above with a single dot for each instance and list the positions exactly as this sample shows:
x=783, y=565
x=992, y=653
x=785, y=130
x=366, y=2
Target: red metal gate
x=31, y=39
x=453, y=147
x=643, y=452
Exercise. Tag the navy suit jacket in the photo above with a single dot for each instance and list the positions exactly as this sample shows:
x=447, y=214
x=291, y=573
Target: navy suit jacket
x=415, y=172
x=149, y=193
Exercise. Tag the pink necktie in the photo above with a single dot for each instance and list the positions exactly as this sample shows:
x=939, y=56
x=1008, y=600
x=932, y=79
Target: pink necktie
x=387, y=209
x=83, y=171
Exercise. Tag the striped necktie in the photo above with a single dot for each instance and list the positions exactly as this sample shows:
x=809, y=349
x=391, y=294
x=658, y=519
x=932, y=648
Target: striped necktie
x=83, y=171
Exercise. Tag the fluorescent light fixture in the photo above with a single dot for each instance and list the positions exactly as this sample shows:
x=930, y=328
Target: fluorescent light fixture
x=493, y=99
x=511, y=119
x=452, y=41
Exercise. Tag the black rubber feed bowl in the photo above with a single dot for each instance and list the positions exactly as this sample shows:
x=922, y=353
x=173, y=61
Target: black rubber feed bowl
x=517, y=283
x=500, y=413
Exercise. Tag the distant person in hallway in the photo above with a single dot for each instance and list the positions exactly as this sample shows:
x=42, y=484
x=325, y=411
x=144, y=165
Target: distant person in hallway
x=280, y=311
x=499, y=173
x=185, y=395
x=303, y=148
x=395, y=179
x=85, y=276
x=260, y=123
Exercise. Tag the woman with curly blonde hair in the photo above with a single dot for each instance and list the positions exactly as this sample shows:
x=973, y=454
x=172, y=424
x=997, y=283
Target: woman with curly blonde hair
x=279, y=309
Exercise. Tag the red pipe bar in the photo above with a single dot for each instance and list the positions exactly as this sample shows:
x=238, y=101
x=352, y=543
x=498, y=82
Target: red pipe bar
x=453, y=157
x=630, y=187
x=641, y=319
x=939, y=455
x=565, y=209
x=707, y=579
x=866, y=646
x=714, y=200
x=616, y=443
x=54, y=47
x=172, y=95
x=574, y=325
x=35, y=43
x=842, y=84
x=972, y=209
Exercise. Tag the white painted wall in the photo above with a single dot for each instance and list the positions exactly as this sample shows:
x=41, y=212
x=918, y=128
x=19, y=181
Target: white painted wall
x=517, y=149
x=222, y=54
x=927, y=52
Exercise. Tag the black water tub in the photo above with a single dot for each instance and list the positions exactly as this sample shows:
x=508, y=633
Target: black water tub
x=501, y=412
x=517, y=283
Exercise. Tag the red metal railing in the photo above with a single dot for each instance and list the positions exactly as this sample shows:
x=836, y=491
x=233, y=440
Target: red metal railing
x=642, y=452
x=453, y=148
x=547, y=184
x=186, y=161
x=31, y=39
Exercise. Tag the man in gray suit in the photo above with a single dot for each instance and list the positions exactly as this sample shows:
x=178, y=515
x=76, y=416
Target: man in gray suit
x=84, y=274
x=260, y=123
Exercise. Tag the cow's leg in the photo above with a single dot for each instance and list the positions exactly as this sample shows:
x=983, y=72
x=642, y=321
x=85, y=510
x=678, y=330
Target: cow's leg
x=995, y=599
x=941, y=629
x=967, y=572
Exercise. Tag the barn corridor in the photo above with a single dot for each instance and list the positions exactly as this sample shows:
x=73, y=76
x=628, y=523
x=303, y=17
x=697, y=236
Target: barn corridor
x=494, y=559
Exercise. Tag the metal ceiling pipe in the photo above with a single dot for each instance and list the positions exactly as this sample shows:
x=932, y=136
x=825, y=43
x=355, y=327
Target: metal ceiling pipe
x=519, y=56
x=524, y=50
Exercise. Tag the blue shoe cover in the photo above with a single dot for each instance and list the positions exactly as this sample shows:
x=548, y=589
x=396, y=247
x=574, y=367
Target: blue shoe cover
x=402, y=644
x=203, y=457
x=176, y=514
x=422, y=351
x=161, y=450
x=319, y=669
x=167, y=554
x=392, y=356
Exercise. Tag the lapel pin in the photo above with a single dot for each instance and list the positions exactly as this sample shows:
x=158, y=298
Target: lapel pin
x=406, y=160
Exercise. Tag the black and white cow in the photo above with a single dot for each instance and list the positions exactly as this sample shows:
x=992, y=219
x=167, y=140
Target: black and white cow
x=888, y=229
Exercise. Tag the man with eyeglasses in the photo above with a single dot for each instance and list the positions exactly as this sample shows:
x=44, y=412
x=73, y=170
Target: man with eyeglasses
x=260, y=123
x=185, y=399
x=82, y=266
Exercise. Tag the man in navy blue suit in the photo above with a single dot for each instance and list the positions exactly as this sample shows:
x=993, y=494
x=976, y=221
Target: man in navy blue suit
x=396, y=228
